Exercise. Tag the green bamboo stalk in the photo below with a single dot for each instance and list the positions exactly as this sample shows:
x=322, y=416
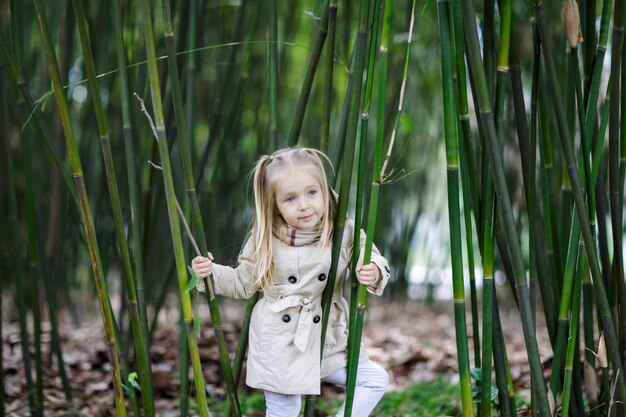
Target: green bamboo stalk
x=619, y=190
x=344, y=191
x=487, y=313
x=170, y=194
x=143, y=360
x=195, y=206
x=35, y=271
x=453, y=207
x=316, y=53
x=183, y=368
x=504, y=379
x=86, y=216
x=190, y=95
x=5, y=141
x=538, y=255
x=573, y=330
x=601, y=298
x=330, y=65
x=469, y=181
x=614, y=168
x=131, y=173
x=337, y=154
x=273, y=72
x=504, y=207
x=358, y=299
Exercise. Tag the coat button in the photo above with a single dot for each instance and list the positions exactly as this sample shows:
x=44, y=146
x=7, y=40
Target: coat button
x=292, y=279
x=321, y=277
x=316, y=319
x=286, y=318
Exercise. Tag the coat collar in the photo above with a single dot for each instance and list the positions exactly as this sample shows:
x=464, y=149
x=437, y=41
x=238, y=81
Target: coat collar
x=296, y=237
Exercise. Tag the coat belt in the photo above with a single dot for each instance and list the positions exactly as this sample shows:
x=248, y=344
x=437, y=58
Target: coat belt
x=304, y=323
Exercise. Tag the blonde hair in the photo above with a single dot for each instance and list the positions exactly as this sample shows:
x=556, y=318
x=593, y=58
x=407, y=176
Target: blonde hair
x=266, y=172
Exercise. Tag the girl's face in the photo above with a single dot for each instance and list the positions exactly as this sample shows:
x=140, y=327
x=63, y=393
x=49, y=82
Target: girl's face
x=299, y=198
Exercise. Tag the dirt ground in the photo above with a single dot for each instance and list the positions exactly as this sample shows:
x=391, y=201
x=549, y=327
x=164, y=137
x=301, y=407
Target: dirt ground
x=414, y=341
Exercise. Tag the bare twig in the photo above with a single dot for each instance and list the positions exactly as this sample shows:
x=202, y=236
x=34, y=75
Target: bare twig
x=401, y=100
x=207, y=282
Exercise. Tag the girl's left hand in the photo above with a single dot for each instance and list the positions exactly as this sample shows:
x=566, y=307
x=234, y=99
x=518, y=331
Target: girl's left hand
x=368, y=275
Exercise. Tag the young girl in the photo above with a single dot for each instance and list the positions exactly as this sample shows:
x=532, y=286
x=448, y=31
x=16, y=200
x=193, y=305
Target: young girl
x=288, y=256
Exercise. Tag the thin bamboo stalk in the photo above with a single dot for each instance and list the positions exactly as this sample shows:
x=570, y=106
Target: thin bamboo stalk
x=330, y=66
x=504, y=207
x=195, y=206
x=131, y=173
x=86, y=216
x=614, y=167
x=453, y=207
x=358, y=299
x=316, y=53
x=170, y=195
x=143, y=360
x=504, y=379
x=538, y=255
x=601, y=298
x=573, y=331
x=469, y=181
x=35, y=270
x=344, y=190
x=273, y=72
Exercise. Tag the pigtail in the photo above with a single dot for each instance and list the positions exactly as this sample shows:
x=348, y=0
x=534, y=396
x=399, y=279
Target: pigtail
x=262, y=228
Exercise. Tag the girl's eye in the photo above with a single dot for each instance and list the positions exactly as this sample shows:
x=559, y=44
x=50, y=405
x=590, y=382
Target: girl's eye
x=289, y=199
x=312, y=193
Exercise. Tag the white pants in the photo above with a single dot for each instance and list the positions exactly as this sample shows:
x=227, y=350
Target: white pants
x=371, y=382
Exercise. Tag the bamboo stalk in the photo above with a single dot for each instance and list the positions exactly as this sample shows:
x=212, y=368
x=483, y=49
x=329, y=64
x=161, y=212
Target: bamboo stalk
x=168, y=182
x=344, y=190
x=453, y=207
x=86, y=216
x=143, y=360
x=573, y=331
x=469, y=182
x=273, y=73
x=298, y=118
x=614, y=168
x=195, y=207
x=358, y=299
x=35, y=270
x=505, y=205
x=131, y=171
x=601, y=298
x=330, y=65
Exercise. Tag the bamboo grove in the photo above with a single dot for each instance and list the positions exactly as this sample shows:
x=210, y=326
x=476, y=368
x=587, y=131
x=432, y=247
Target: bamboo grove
x=183, y=96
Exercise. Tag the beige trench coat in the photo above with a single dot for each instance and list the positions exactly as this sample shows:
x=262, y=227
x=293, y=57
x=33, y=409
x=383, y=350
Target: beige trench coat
x=284, y=348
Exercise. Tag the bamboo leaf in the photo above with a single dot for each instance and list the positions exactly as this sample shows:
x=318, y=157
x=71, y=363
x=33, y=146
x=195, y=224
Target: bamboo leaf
x=193, y=282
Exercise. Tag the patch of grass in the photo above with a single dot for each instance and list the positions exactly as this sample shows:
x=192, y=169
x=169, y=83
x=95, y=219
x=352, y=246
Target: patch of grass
x=433, y=399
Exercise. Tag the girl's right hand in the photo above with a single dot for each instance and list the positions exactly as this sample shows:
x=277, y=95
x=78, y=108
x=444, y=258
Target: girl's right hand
x=202, y=266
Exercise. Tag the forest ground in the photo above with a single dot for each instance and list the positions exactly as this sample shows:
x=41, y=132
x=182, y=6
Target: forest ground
x=414, y=341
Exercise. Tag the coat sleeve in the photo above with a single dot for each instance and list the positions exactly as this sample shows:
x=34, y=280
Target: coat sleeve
x=235, y=282
x=376, y=258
